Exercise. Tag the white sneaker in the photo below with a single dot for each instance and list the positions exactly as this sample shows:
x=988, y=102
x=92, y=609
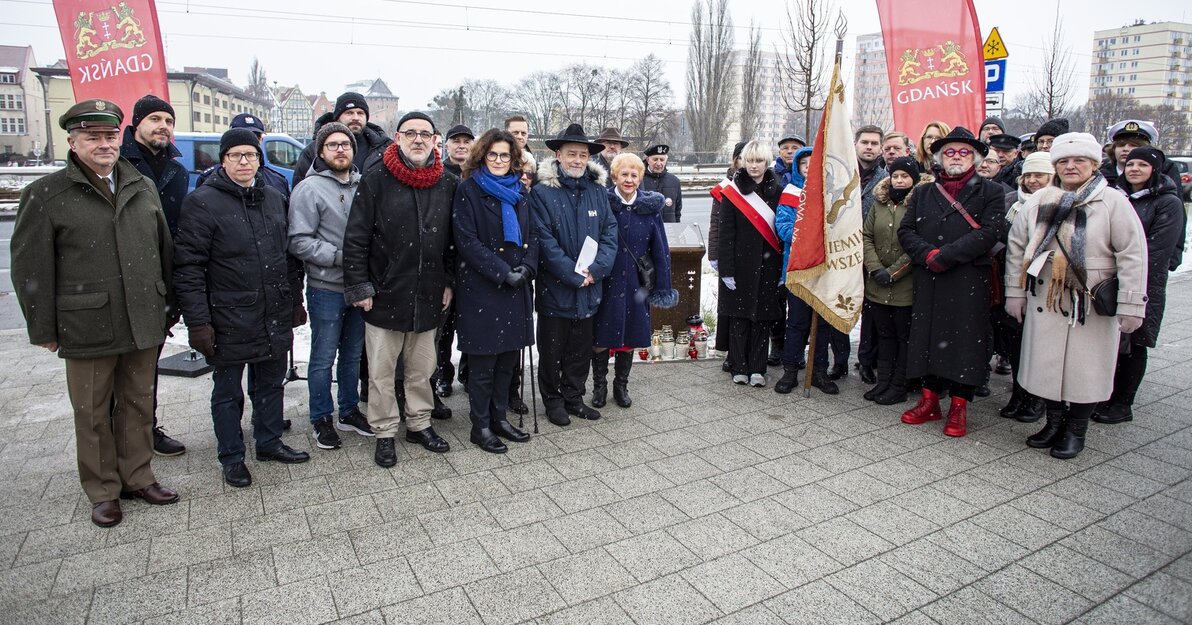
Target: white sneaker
x=740, y=379
x=757, y=380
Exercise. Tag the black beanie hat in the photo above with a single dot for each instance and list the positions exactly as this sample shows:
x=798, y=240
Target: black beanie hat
x=1151, y=155
x=906, y=164
x=1052, y=128
x=234, y=137
x=737, y=149
x=348, y=101
x=328, y=129
x=416, y=115
x=148, y=105
x=995, y=120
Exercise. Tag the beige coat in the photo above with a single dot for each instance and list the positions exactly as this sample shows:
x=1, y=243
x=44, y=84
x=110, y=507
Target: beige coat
x=1073, y=362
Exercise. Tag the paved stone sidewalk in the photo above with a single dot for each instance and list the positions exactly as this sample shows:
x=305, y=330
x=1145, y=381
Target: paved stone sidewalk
x=705, y=502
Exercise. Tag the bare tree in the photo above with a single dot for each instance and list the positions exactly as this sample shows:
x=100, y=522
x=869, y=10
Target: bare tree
x=258, y=83
x=650, y=107
x=538, y=96
x=488, y=102
x=804, y=59
x=709, y=75
x=607, y=97
x=751, y=83
x=1053, y=86
x=580, y=84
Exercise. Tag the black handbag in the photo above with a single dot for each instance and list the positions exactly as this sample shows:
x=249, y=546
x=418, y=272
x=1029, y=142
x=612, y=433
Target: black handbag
x=1103, y=295
x=645, y=272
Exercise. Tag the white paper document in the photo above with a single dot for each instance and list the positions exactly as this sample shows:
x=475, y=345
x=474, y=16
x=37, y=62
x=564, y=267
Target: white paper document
x=587, y=255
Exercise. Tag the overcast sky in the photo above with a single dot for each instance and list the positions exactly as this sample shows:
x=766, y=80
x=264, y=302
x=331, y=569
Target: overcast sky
x=420, y=48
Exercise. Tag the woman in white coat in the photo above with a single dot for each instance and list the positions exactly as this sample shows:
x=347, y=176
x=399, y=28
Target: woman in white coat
x=1081, y=231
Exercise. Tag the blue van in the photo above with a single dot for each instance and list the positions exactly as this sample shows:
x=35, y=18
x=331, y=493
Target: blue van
x=200, y=151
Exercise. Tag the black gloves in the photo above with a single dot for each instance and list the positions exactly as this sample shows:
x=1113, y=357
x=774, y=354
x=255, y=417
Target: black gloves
x=882, y=277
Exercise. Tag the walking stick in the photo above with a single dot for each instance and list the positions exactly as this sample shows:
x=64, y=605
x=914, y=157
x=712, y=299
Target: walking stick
x=810, y=354
x=533, y=391
x=521, y=417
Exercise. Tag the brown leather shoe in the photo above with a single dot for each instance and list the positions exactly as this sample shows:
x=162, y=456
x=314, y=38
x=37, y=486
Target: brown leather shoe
x=106, y=513
x=154, y=494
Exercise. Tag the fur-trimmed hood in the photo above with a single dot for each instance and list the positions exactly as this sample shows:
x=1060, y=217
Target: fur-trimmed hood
x=881, y=192
x=646, y=202
x=548, y=173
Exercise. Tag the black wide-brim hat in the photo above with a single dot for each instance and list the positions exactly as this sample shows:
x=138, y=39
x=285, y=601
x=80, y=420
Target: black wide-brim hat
x=574, y=134
x=960, y=134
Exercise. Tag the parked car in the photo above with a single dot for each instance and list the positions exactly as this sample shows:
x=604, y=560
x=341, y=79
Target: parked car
x=1184, y=165
x=200, y=151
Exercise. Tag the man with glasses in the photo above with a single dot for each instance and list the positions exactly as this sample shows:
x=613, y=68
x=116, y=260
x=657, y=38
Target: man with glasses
x=519, y=127
x=240, y=293
x=272, y=177
x=399, y=268
x=457, y=145
x=318, y=215
x=784, y=163
x=91, y=269
x=895, y=145
x=351, y=110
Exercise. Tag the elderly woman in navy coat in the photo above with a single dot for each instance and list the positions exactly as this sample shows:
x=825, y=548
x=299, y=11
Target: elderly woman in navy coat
x=623, y=318
x=498, y=250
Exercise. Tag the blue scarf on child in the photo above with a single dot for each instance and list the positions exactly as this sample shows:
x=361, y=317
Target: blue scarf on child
x=508, y=190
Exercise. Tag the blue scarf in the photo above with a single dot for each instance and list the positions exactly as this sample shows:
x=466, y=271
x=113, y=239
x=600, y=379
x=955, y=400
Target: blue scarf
x=507, y=189
x=782, y=171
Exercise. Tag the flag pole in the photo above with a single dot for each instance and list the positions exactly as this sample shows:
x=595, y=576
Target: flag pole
x=810, y=354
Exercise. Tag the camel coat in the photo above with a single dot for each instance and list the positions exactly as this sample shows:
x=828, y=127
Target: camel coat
x=1062, y=361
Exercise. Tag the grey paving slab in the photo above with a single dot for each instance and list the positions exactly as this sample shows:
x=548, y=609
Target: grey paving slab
x=645, y=513
x=194, y=546
x=667, y=600
x=1122, y=609
x=819, y=602
x=449, y=607
x=455, y=564
x=971, y=606
x=1033, y=596
x=712, y=536
x=881, y=589
x=585, y=576
x=522, y=547
x=366, y=588
x=513, y=597
x=1094, y=580
x=732, y=582
x=845, y=541
x=102, y=566
x=214, y=581
x=584, y=530
x=1166, y=593
x=219, y=613
x=791, y=560
x=301, y=603
x=652, y=555
x=312, y=558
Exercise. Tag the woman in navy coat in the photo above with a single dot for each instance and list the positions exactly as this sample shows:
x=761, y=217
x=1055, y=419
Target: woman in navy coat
x=494, y=298
x=623, y=318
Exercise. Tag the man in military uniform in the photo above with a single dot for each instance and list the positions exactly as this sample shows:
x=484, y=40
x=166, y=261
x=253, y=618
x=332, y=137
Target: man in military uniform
x=658, y=179
x=91, y=267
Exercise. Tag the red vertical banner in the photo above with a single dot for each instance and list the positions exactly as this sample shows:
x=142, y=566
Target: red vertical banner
x=934, y=60
x=113, y=50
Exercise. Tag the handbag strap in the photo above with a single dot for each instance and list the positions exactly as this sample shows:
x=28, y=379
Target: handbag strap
x=960, y=209
x=1080, y=277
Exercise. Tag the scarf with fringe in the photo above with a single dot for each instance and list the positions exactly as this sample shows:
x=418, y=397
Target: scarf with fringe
x=1063, y=220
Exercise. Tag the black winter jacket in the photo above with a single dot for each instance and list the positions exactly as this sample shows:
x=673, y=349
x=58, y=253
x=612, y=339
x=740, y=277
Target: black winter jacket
x=1161, y=212
x=232, y=271
x=1109, y=170
x=668, y=185
x=171, y=188
x=398, y=250
x=370, y=147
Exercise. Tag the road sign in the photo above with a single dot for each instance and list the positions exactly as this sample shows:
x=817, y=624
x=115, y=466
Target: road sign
x=993, y=101
x=994, y=48
x=995, y=75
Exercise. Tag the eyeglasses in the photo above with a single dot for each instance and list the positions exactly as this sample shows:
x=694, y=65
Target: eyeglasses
x=248, y=157
x=502, y=157
x=411, y=135
x=340, y=146
x=961, y=152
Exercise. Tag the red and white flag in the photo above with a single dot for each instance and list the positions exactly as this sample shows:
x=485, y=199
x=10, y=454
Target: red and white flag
x=113, y=51
x=826, y=267
x=935, y=62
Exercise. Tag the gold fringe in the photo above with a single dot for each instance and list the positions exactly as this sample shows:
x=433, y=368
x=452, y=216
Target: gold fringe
x=1055, y=286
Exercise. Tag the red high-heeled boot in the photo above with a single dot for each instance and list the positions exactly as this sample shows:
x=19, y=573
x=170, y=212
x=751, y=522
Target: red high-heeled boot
x=957, y=424
x=928, y=409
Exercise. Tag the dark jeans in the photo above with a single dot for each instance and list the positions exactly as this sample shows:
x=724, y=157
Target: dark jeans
x=747, y=345
x=892, y=325
x=1131, y=368
x=265, y=380
x=1007, y=338
x=564, y=355
x=335, y=329
x=939, y=385
x=798, y=332
x=488, y=386
x=867, y=344
x=443, y=341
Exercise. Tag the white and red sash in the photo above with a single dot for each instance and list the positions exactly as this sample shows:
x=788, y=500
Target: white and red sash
x=792, y=196
x=755, y=209
x=718, y=190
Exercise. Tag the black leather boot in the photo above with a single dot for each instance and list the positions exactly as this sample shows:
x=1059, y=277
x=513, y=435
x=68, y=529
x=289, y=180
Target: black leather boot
x=622, y=363
x=599, y=379
x=885, y=372
x=1071, y=442
x=1050, y=432
x=788, y=381
x=1032, y=408
x=1010, y=410
x=895, y=393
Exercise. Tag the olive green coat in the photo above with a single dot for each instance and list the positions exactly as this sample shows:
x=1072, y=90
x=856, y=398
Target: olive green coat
x=882, y=249
x=92, y=277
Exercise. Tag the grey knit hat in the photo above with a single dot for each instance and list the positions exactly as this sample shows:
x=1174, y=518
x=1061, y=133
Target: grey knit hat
x=330, y=128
